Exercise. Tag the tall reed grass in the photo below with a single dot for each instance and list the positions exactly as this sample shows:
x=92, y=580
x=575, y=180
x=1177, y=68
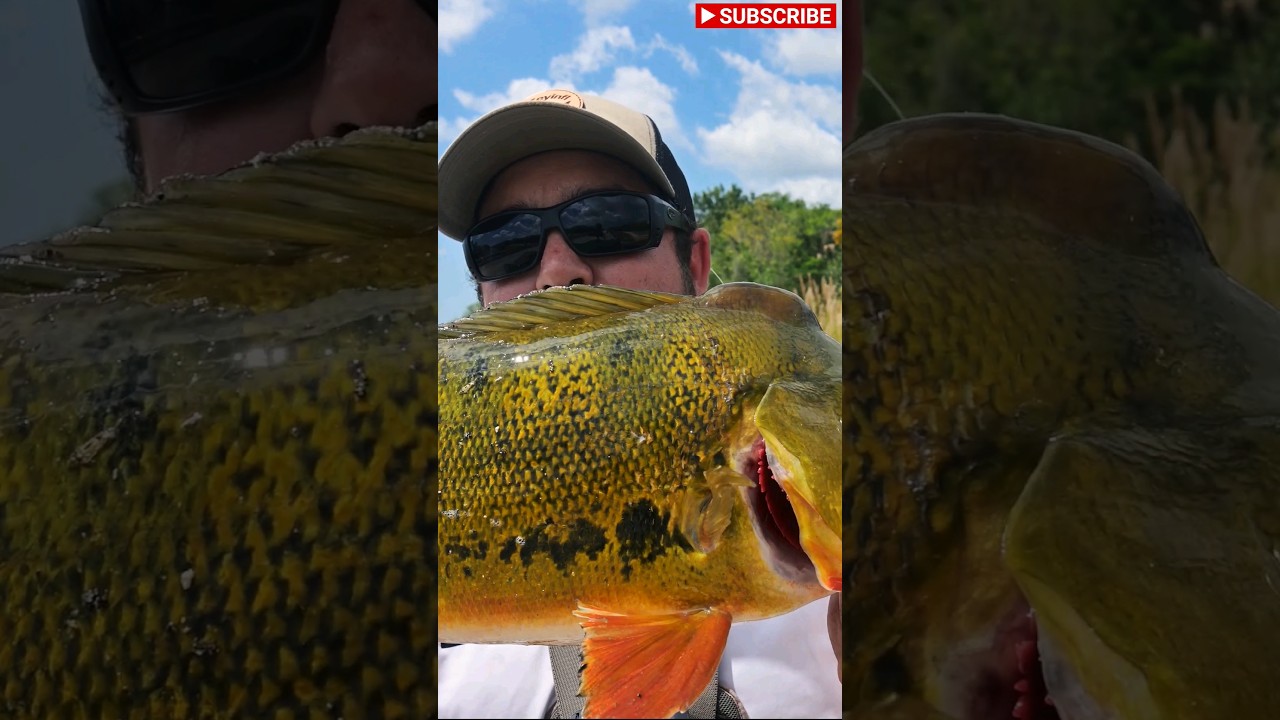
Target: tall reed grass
x=1225, y=169
x=823, y=298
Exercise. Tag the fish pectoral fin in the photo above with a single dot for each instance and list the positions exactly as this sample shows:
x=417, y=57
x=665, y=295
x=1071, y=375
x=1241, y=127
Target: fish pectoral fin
x=1148, y=557
x=557, y=304
x=648, y=666
x=703, y=513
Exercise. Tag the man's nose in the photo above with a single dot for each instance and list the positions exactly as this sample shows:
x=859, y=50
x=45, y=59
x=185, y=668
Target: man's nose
x=380, y=68
x=561, y=265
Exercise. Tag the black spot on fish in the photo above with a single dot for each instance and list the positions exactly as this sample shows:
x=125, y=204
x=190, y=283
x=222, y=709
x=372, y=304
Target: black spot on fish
x=582, y=538
x=462, y=551
x=467, y=572
x=643, y=536
x=508, y=549
x=476, y=376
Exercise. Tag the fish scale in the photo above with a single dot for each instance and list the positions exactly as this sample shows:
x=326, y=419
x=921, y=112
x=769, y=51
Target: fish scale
x=218, y=484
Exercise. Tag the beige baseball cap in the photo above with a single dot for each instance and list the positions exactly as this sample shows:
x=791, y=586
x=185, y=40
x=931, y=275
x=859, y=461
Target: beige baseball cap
x=552, y=120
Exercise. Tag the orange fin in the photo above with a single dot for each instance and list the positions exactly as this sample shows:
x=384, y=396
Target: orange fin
x=648, y=666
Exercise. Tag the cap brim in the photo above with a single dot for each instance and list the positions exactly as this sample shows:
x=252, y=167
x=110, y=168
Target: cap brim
x=517, y=131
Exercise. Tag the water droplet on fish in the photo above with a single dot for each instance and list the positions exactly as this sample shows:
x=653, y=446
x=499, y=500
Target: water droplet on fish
x=186, y=577
x=495, y=522
x=450, y=514
x=520, y=540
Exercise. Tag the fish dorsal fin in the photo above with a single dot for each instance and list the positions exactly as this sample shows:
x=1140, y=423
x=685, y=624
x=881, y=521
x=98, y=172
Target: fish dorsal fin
x=370, y=185
x=776, y=303
x=558, y=304
x=1078, y=185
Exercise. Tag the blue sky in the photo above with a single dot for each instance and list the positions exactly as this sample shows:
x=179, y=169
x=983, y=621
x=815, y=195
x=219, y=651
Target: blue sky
x=759, y=108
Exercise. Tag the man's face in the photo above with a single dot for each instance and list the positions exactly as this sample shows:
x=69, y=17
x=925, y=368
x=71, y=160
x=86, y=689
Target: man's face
x=378, y=69
x=551, y=178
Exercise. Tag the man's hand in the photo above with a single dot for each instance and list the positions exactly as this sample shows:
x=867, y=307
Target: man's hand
x=833, y=631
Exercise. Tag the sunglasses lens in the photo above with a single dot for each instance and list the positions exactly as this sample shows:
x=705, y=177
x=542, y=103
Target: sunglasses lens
x=607, y=224
x=505, y=246
x=183, y=48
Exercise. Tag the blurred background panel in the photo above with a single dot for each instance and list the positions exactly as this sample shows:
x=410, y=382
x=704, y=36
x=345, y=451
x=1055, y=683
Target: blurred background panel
x=60, y=161
x=1192, y=85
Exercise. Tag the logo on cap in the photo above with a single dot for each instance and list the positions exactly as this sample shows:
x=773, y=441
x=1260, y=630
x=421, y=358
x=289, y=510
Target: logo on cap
x=565, y=97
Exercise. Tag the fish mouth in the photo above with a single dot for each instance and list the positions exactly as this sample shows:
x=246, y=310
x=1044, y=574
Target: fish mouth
x=1003, y=678
x=773, y=504
x=1016, y=672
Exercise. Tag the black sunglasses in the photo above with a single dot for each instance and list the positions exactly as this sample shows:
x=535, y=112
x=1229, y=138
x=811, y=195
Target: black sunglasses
x=165, y=55
x=595, y=225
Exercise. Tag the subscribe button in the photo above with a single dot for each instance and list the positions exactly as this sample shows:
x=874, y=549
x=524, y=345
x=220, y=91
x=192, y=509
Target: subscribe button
x=763, y=15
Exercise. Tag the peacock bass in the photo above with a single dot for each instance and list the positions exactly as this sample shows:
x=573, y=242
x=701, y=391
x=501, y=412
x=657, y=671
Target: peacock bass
x=634, y=471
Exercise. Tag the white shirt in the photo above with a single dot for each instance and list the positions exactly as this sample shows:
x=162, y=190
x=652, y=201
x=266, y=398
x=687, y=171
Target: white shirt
x=782, y=667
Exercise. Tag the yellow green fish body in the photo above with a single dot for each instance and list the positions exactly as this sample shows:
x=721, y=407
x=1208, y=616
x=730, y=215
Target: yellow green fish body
x=217, y=447
x=595, y=451
x=1064, y=423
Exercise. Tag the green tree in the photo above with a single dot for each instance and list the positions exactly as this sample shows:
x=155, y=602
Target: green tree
x=1088, y=65
x=769, y=238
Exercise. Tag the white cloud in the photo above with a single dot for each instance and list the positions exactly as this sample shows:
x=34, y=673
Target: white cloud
x=804, y=52
x=516, y=90
x=781, y=135
x=813, y=189
x=459, y=19
x=681, y=55
x=596, y=48
x=635, y=87
x=638, y=89
x=595, y=12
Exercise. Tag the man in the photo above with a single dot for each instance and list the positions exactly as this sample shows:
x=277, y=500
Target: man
x=204, y=86
x=594, y=164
